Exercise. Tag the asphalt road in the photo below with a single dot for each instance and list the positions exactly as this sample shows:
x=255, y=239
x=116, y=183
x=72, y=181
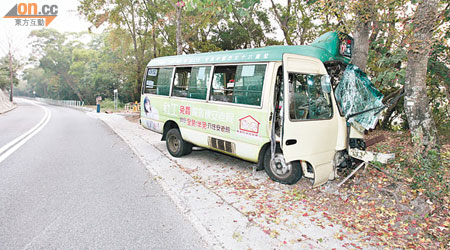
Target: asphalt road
x=77, y=185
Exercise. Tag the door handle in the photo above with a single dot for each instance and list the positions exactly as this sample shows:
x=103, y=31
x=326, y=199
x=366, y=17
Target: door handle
x=291, y=142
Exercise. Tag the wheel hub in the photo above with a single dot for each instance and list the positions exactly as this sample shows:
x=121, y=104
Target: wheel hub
x=174, y=143
x=279, y=167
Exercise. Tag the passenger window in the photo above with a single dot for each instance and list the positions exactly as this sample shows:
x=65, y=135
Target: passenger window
x=240, y=84
x=307, y=100
x=180, y=84
x=158, y=81
x=191, y=82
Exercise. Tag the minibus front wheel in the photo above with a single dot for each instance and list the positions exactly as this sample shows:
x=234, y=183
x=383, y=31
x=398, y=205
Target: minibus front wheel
x=280, y=171
x=175, y=144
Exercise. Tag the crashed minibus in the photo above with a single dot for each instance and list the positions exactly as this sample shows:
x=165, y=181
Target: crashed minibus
x=274, y=106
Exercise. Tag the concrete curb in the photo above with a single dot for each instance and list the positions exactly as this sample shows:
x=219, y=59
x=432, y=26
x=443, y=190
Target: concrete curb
x=203, y=231
x=7, y=110
x=220, y=224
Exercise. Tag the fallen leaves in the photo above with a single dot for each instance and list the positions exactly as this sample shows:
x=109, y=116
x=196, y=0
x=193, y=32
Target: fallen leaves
x=368, y=210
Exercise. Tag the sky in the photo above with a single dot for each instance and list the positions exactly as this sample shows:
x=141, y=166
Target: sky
x=67, y=20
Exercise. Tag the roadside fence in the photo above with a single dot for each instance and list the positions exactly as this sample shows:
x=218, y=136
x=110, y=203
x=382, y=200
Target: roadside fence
x=71, y=103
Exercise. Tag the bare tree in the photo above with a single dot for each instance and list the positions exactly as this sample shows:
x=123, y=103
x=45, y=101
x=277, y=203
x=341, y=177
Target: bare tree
x=10, y=51
x=417, y=109
x=11, y=73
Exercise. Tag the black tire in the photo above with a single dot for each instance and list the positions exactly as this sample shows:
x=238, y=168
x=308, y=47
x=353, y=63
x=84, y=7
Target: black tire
x=291, y=177
x=187, y=148
x=175, y=144
x=261, y=156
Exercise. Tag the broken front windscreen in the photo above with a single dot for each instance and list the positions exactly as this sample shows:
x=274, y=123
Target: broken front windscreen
x=358, y=98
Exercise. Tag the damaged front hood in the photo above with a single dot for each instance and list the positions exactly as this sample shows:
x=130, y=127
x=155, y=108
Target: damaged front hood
x=358, y=98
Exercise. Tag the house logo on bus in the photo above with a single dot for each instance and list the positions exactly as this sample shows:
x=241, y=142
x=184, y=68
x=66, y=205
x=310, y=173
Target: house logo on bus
x=249, y=125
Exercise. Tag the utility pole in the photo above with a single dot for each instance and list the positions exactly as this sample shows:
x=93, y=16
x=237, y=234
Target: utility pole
x=11, y=74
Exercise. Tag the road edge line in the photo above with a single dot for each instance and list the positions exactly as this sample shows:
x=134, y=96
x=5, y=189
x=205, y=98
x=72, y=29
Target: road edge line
x=15, y=144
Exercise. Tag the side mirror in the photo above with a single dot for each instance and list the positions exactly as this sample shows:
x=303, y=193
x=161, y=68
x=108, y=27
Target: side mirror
x=325, y=81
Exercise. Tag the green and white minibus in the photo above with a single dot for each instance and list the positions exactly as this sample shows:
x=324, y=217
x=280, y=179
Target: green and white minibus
x=273, y=106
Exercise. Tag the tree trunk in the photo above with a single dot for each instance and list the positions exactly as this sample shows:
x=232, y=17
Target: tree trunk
x=72, y=86
x=179, y=44
x=417, y=109
x=11, y=75
x=154, y=41
x=284, y=20
x=394, y=100
x=361, y=47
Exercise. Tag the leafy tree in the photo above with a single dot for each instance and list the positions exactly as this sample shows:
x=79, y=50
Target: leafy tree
x=296, y=21
x=5, y=81
x=55, y=58
x=129, y=16
x=36, y=82
x=420, y=120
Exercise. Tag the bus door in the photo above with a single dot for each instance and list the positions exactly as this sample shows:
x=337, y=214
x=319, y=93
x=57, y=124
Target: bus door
x=309, y=130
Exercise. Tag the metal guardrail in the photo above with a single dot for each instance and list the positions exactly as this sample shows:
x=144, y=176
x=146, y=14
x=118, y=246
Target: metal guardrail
x=71, y=103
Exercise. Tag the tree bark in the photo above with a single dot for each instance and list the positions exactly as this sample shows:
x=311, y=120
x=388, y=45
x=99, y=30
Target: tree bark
x=154, y=41
x=364, y=15
x=417, y=109
x=394, y=99
x=178, y=37
x=11, y=75
x=283, y=21
x=72, y=86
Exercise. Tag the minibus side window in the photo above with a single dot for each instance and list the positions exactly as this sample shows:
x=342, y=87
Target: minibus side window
x=198, y=84
x=241, y=84
x=223, y=83
x=180, y=83
x=191, y=82
x=307, y=100
x=158, y=81
x=249, y=84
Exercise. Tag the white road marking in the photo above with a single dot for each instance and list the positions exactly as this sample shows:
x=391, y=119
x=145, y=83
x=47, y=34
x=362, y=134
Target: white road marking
x=15, y=144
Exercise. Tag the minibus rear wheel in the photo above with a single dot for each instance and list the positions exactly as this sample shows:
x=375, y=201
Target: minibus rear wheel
x=280, y=171
x=175, y=144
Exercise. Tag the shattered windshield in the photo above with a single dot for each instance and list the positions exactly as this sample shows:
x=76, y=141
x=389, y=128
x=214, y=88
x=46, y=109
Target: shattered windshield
x=358, y=98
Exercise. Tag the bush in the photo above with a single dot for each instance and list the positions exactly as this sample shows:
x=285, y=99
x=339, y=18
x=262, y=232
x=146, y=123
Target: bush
x=429, y=175
x=109, y=104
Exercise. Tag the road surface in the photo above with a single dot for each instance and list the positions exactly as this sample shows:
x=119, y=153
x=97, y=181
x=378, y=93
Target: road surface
x=71, y=183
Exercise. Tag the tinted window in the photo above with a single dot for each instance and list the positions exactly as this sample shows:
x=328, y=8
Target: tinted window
x=240, y=84
x=158, y=81
x=307, y=100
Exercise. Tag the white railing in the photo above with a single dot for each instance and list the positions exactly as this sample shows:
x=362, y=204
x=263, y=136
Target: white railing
x=72, y=103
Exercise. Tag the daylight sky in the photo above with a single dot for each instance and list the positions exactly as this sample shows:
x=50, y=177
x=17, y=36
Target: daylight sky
x=67, y=20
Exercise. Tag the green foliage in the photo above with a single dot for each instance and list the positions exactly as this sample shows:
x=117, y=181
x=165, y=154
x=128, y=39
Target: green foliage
x=438, y=82
x=429, y=175
x=109, y=104
x=5, y=77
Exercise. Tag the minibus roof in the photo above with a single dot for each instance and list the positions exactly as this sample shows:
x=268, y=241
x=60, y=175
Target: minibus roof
x=324, y=48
